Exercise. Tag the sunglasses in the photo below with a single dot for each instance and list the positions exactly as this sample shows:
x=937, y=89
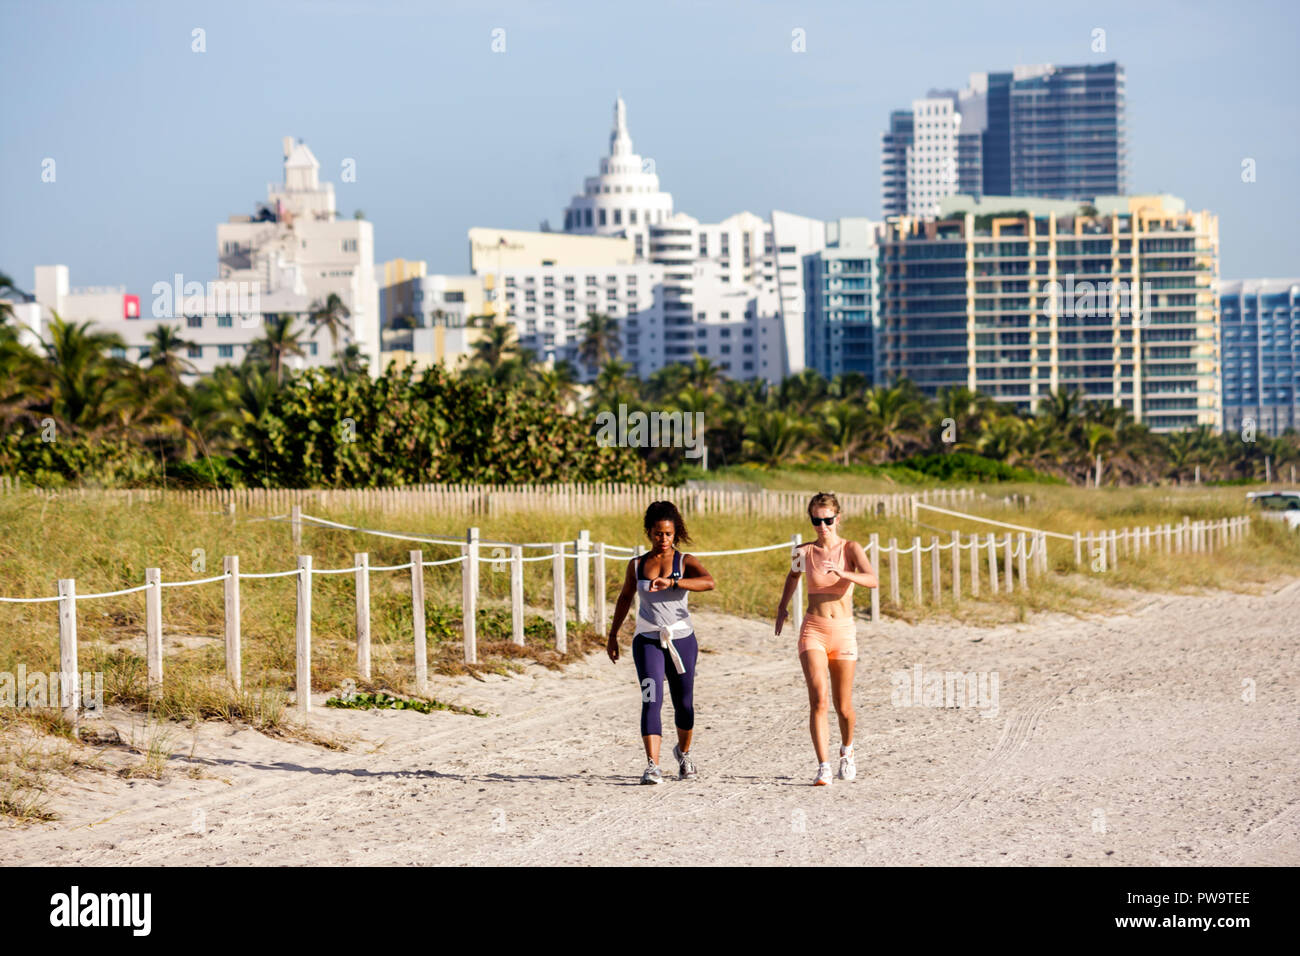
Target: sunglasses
x=826, y=521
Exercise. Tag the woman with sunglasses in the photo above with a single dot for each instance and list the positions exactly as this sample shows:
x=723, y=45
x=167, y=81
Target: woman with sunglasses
x=828, y=641
x=664, y=645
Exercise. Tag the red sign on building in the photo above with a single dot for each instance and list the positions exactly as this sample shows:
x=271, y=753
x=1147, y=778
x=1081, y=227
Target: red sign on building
x=130, y=307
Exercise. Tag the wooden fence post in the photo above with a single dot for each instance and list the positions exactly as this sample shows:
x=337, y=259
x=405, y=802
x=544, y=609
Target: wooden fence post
x=1022, y=563
x=234, y=663
x=557, y=583
x=916, y=567
x=1006, y=563
x=517, y=594
x=602, y=616
x=956, y=567
x=469, y=596
x=303, y=634
x=935, y=583
x=875, y=566
x=581, y=548
x=153, y=629
x=894, y=589
x=796, y=612
x=417, y=620
x=69, y=675
x=975, y=565
x=295, y=522
x=993, y=564
x=1078, y=548
x=362, y=563
x=1114, y=549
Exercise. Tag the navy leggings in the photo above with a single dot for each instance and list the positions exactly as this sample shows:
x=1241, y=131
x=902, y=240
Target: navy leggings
x=653, y=664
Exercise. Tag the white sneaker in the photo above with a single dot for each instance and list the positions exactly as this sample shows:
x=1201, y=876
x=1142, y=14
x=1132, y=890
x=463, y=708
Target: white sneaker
x=685, y=765
x=823, y=775
x=848, y=769
x=652, y=774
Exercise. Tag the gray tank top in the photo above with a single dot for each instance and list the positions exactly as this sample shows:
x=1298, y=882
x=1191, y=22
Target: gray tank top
x=661, y=608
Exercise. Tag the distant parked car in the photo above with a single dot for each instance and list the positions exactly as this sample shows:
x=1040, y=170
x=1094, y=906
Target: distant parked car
x=1278, y=506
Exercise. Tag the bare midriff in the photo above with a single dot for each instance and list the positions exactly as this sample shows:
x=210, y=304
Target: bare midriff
x=831, y=606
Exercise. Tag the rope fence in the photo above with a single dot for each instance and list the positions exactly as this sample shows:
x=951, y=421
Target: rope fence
x=1009, y=562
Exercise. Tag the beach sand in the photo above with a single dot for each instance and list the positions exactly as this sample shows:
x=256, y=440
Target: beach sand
x=1122, y=739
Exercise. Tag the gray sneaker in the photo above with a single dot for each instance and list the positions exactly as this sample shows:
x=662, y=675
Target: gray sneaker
x=685, y=765
x=652, y=774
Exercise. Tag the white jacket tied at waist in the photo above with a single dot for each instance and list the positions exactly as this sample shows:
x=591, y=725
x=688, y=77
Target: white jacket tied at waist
x=667, y=634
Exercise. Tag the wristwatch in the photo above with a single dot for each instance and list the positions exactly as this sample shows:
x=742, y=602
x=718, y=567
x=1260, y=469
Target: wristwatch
x=675, y=576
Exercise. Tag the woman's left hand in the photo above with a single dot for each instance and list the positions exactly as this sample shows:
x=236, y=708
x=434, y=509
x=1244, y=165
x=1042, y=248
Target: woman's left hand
x=660, y=584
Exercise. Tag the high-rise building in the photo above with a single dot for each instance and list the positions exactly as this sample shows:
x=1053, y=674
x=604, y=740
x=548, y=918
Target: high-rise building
x=1068, y=132
x=1019, y=298
x=1261, y=354
x=842, y=298
x=716, y=283
x=1047, y=131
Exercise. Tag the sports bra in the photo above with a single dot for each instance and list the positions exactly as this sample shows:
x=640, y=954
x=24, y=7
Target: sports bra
x=822, y=582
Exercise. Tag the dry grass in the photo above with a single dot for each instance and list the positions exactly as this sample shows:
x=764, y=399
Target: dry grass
x=106, y=546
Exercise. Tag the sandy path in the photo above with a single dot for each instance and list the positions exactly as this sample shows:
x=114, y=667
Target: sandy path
x=1118, y=740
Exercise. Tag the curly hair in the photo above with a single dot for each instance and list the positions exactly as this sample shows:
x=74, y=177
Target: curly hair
x=666, y=511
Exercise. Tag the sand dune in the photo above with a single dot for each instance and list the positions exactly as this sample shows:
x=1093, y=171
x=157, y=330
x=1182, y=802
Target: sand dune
x=1117, y=740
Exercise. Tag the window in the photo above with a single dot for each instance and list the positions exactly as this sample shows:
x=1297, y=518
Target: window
x=224, y=322
x=587, y=217
x=194, y=321
x=225, y=351
x=117, y=352
x=349, y=245
x=602, y=214
x=196, y=351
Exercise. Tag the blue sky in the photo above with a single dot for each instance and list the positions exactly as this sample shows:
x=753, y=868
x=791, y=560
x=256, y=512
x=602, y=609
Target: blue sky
x=156, y=144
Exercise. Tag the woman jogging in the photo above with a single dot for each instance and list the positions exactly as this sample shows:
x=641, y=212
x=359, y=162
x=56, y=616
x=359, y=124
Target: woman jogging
x=828, y=639
x=665, y=644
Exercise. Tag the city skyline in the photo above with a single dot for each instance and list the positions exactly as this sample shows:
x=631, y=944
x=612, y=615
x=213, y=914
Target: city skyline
x=144, y=168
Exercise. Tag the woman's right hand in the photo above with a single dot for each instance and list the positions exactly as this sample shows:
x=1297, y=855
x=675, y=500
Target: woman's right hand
x=611, y=648
x=780, y=619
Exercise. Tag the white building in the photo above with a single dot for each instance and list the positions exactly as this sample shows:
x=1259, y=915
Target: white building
x=550, y=304
x=296, y=245
x=624, y=197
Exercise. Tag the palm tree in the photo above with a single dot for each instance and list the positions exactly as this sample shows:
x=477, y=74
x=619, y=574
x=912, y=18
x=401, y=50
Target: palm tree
x=165, y=345
x=85, y=382
x=774, y=437
x=279, y=342
x=8, y=289
x=845, y=429
x=352, y=361
x=703, y=375
x=333, y=317
x=496, y=355
x=969, y=412
x=613, y=386
x=600, y=340
x=895, y=414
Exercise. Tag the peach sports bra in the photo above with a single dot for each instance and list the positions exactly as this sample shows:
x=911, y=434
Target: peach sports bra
x=822, y=582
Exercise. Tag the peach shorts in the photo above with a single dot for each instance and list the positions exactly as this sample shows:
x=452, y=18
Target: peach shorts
x=837, y=638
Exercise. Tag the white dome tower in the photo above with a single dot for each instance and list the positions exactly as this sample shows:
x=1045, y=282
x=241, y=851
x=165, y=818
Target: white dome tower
x=625, y=197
